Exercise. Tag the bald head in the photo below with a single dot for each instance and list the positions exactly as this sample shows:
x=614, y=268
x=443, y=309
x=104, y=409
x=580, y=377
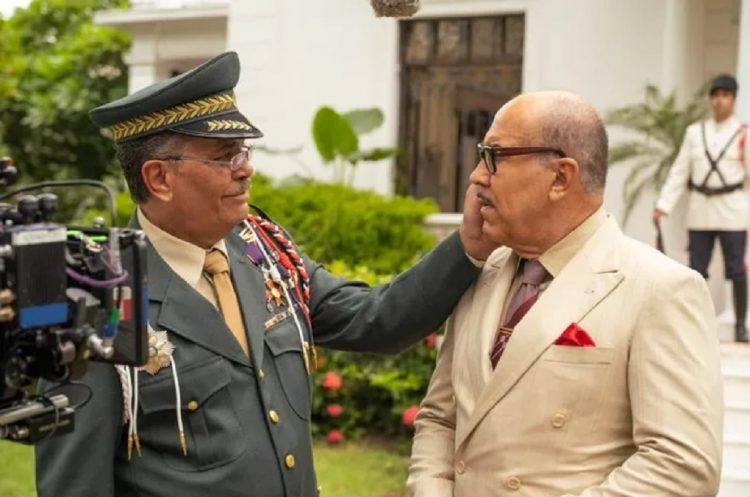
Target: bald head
x=563, y=120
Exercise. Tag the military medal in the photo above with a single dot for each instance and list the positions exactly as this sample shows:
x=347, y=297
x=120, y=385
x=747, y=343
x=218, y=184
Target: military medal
x=285, y=277
x=160, y=350
x=274, y=293
x=253, y=253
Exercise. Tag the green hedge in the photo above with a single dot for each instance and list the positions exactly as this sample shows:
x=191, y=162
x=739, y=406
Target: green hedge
x=375, y=391
x=336, y=222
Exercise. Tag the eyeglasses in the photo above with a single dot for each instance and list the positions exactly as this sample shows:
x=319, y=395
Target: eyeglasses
x=237, y=161
x=489, y=154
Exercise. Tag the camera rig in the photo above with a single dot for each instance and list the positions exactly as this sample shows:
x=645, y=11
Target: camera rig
x=68, y=294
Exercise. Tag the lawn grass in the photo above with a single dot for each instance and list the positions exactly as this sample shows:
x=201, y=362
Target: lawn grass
x=16, y=470
x=350, y=470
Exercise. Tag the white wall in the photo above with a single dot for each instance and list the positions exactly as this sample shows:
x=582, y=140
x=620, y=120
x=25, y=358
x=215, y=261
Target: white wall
x=300, y=54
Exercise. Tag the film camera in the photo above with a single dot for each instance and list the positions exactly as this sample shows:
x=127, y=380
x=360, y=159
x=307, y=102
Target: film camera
x=67, y=295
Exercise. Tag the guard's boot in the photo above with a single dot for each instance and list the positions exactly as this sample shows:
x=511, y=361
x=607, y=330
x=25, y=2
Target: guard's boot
x=739, y=288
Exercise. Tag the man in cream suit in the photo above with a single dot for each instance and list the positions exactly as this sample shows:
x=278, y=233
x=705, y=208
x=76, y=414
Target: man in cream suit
x=607, y=378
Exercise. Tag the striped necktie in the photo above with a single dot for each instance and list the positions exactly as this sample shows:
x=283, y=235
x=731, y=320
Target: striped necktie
x=526, y=294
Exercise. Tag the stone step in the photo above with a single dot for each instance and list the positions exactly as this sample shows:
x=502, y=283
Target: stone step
x=735, y=356
x=735, y=483
x=736, y=453
x=736, y=385
x=737, y=421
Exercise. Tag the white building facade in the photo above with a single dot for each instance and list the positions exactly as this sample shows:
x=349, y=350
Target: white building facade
x=300, y=54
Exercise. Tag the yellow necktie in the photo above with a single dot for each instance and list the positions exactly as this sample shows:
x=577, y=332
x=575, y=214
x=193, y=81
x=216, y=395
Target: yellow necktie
x=216, y=268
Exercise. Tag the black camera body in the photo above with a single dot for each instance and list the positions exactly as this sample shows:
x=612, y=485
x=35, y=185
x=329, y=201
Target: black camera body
x=67, y=295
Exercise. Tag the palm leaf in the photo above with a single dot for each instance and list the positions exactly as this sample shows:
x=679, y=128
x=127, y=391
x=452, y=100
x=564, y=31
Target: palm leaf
x=636, y=182
x=659, y=124
x=623, y=152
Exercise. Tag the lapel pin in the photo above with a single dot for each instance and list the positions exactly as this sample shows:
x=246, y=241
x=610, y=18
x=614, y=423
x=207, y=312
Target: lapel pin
x=160, y=351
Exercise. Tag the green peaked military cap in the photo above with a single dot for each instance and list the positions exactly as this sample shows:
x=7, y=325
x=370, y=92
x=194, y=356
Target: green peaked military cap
x=199, y=102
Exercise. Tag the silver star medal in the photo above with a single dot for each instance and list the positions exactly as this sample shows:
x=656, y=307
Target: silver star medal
x=160, y=351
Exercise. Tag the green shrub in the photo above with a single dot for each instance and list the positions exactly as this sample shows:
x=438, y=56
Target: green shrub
x=336, y=222
x=375, y=389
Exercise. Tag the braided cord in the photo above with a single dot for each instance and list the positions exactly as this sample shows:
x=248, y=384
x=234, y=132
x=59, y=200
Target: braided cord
x=288, y=256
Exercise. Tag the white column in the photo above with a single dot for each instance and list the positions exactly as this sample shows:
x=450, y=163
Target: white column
x=141, y=75
x=743, y=63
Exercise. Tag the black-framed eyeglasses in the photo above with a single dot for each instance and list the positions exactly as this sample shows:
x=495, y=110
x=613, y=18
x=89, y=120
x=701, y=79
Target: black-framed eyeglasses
x=489, y=154
x=237, y=161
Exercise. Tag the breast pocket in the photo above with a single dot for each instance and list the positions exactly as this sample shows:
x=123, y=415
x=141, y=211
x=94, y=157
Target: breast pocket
x=284, y=343
x=213, y=432
x=574, y=379
x=579, y=355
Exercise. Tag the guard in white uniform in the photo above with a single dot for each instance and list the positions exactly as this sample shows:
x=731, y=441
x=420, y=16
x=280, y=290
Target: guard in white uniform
x=713, y=166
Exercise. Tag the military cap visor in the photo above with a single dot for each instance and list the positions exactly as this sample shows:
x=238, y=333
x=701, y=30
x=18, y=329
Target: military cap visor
x=199, y=102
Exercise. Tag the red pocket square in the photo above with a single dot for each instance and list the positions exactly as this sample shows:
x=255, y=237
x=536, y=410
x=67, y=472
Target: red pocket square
x=575, y=336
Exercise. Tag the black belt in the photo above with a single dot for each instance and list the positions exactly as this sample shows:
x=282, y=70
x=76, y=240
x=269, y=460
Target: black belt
x=710, y=192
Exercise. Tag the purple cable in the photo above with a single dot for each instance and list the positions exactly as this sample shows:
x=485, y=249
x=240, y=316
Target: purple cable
x=97, y=283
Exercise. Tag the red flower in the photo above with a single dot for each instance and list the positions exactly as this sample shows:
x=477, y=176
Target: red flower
x=334, y=410
x=334, y=437
x=332, y=381
x=431, y=340
x=409, y=415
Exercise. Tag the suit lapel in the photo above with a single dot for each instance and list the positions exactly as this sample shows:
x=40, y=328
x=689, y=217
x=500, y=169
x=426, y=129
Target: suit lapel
x=484, y=316
x=185, y=312
x=251, y=291
x=587, y=279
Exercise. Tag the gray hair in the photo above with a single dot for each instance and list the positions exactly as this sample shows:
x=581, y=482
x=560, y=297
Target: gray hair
x=573, y=125
x=132, y=154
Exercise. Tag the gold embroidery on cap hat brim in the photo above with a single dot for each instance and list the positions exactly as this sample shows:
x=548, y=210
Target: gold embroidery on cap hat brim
x=224, y=124
x=176, y=114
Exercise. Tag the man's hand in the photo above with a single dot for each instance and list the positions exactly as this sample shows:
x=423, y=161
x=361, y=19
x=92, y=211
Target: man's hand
x=657, y=215
x=475, y=242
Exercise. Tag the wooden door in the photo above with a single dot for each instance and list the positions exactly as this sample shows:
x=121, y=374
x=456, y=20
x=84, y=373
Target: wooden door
x=456, y=73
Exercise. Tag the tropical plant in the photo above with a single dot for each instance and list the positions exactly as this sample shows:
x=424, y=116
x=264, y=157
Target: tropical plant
x=337, y=140
x=55, y=66
x=659, y=125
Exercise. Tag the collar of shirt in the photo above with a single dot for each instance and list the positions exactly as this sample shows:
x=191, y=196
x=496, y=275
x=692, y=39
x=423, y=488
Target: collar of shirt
x=561, y=253
x=185, y=258
x=729, y=123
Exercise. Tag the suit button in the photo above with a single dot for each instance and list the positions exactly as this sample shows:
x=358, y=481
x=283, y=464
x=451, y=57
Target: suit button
x=558, y=420
x=289, y=461
x=261, y=374
x=192, y=405
x=274, y=416
x=460, y=467
x=513, y=483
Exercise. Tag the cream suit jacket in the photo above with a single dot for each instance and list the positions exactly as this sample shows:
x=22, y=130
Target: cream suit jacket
x=639, y=415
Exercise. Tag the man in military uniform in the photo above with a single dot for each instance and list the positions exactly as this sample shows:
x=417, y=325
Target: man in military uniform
x=223, y=405
x=712, y=166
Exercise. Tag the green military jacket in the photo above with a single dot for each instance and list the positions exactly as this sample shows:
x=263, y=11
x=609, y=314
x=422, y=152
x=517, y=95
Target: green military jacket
x=247, y=421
